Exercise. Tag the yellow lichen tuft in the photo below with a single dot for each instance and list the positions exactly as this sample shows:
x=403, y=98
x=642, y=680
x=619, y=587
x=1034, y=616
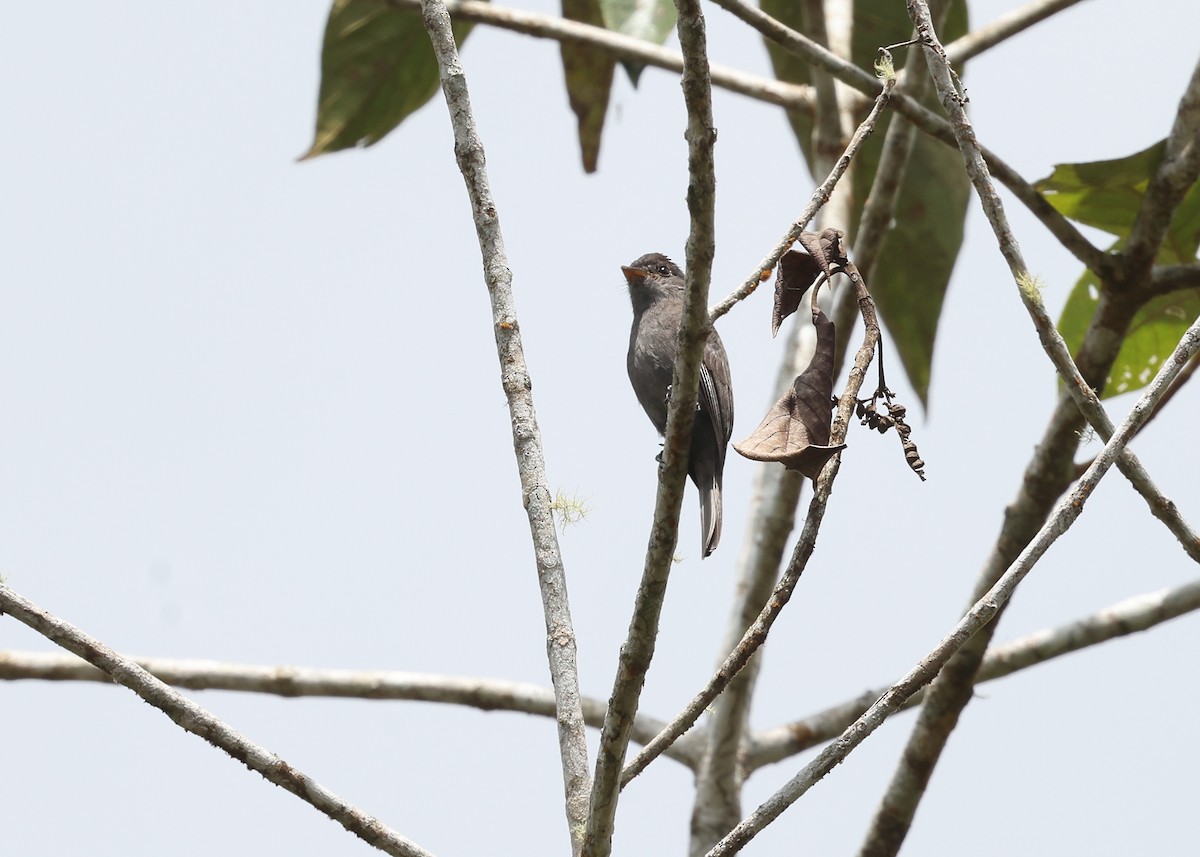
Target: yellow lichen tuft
x=885, y=69
x=569, y=510
x=1031, y=287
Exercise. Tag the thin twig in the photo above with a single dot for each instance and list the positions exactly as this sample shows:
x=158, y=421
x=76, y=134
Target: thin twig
x=483, y=694
x=930, y=123
x=820, y=196
x=717, y=800
x=527, y=440
x=1089, y=405
x=1186, y=375
x=638, y=649
x=198, y=721
x=1066, y=513
x=1003, y=28
x=880, y=207
x=1131, y=616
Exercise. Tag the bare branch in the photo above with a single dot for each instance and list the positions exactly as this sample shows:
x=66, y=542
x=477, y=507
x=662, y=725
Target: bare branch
x=788, y=95
x=198, y=721
x=694, y=330
x=1178, y=171
x=1003, y=28
x=820, y=197
x=937, y=127
x=1139, y=613
x=1089, y=405
x=1065, y=513
x=1053, y=343
x=717, y=805
x=485, y=694
x=1080, y=390
x=527, y=439
x=1173, y=278
x=880, y=206
x=1180, y=380
x=951, y=693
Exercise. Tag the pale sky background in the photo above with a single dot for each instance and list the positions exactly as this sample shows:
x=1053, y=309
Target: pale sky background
x=252, y=413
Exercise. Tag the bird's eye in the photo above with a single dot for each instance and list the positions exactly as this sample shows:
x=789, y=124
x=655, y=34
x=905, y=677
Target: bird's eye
x=664, y=270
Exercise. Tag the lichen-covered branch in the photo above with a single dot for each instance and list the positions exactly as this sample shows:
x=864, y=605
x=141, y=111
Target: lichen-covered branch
x=717, y=805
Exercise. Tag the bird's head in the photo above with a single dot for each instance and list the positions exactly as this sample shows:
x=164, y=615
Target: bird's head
x=652, y=277
x=651, y=266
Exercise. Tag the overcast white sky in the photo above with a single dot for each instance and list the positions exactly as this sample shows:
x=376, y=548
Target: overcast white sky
x=252, y=413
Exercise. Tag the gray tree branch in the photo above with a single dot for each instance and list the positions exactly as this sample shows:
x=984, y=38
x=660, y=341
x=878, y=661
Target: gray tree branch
x=1165, y=279
x=951, y=691
x=638, y=650
x=1066, y=512
x=198, y=721
x=485, y=694
x=717, y=805
x=527, y=439
x=930, y=123
x=1139, y=613
x=1176, y=173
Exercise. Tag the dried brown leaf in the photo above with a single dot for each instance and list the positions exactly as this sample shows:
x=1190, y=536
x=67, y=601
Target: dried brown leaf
x=826, y=248
x=795, y=432
x=796, y=273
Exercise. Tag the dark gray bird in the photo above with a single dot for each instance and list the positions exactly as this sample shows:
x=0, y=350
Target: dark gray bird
x=656, y=288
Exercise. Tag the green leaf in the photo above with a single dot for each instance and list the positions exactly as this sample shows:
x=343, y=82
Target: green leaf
x=589, y=74
x=650, y=20
x=1103, y=194
x=1153, y=334
x=1108, y=195
x=913, y=269
x=377, y=67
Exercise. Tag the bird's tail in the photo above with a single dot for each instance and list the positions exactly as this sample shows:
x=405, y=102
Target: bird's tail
x=710, y=517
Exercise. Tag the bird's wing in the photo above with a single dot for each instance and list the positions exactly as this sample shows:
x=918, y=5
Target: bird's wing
x=714, y=378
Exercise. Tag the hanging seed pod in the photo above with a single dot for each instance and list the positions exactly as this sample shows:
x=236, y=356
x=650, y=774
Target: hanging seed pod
x=914, y=458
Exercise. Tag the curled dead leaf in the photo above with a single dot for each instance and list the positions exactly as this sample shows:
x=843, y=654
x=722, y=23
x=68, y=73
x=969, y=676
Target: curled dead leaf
x=795, y=432
x=797, y=271
x=826, y=248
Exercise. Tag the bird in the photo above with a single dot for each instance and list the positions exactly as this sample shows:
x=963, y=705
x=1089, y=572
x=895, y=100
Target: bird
x=656, y=289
